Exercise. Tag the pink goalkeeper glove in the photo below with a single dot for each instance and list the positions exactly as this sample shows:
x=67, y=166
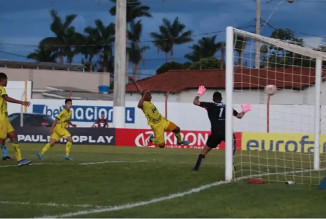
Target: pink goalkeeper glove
x=201, y=90
x=246, y=107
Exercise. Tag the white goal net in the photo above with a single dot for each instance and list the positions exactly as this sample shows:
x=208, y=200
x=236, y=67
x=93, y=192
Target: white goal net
x=283, y=137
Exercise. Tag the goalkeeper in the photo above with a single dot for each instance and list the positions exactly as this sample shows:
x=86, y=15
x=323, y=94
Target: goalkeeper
x=155, y=120
x=216, y=115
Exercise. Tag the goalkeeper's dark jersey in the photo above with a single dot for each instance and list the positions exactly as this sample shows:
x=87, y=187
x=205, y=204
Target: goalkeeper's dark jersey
x=216, y=114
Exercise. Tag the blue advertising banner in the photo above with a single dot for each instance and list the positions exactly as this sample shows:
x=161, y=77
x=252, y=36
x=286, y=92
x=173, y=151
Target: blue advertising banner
x=84, y=113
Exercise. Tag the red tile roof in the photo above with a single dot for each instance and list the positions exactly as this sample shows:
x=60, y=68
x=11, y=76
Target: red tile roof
x=244, y=78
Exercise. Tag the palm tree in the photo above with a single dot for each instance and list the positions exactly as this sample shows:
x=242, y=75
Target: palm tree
x=172, y=33
x=90, y=47
x=65, y=37
x=105, y=36
x=221, y=48
x=162, y=44
x=42, y=55
x=135, y=50
x=205, y=48
x=135, y=9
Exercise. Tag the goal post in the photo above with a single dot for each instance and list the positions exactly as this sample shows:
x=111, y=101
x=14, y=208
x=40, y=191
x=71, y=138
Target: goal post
x=296, y=71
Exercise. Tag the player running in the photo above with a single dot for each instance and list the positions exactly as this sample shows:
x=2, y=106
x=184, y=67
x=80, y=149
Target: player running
x=6, y=129
x=155, y=120
x=59, y=130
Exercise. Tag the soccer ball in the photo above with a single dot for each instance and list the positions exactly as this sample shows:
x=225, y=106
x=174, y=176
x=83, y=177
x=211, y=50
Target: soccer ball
x=95, y=125
x=270, y=89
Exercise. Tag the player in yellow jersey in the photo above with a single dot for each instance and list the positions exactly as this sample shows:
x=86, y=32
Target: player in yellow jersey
x=155, y=120
x=6, y=129
x=59, y=130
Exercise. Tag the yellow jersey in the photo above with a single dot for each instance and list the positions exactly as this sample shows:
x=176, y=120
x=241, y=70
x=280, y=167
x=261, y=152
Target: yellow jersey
x=152, y=114
x=3, y=103
x=64, y=119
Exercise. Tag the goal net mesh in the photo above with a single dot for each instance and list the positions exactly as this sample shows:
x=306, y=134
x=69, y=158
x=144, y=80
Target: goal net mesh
x=278, y=135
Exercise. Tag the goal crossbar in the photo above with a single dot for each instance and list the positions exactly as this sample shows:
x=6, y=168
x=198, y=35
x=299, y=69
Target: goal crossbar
x=278, y=43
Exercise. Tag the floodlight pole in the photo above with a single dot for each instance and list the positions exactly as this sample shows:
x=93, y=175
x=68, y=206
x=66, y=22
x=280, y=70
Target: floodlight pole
x=120, y=64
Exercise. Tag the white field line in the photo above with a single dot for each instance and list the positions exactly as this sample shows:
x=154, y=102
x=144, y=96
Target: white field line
x=164, y=198
x=89, y=163
x=32, y=164
x=51, y=204
x=113, y=161
x=141, y=203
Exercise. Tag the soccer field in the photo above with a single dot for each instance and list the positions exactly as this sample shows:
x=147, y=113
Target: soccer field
x=106, y=181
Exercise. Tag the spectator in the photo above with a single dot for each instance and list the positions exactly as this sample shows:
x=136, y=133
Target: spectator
x=102, y=122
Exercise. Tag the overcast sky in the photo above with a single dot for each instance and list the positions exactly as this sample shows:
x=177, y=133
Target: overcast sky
x=23, y=23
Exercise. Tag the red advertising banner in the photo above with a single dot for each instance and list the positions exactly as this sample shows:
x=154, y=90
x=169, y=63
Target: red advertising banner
x=140, y=137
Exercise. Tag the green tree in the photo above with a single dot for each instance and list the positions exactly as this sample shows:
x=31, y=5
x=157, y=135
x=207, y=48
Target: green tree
x=239, y=46
x=42, y=55
x=172, y=66
x=205, y=48
x=135, y=9
x=135, y=49
x=99, y=41
x=65, y=37
x=105, y=37
x=277, y=57
x=173, y=34
x=207, y=63
x=91, y=46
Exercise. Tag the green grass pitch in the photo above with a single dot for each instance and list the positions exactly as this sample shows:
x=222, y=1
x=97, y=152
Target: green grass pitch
x=116, y=182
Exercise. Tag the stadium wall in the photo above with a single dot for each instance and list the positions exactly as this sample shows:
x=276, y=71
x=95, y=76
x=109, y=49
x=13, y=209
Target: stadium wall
x=43, y=78
x=184, y=114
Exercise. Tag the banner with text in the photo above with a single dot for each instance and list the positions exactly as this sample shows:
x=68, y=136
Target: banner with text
x=281, y=142
x=140, y=137
x=95, y=136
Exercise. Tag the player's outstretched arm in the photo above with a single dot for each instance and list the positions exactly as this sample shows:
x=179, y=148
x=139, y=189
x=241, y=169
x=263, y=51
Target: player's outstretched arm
x=139, y=88
x=245, y=108
x=196, y=101
x=12, y=100
x=141, y=101
x=72, y=124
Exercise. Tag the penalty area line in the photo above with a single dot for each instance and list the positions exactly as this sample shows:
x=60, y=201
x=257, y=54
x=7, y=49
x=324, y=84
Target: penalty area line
x=141, y=203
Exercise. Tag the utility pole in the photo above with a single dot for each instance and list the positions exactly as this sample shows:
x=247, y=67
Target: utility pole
x=257, y=53
x=120, y=64
x=258, y=18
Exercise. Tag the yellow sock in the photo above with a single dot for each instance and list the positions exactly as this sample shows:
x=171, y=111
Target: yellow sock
x=45, y=148
x=68, y=146
x=18, y=153
x=178, y=135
